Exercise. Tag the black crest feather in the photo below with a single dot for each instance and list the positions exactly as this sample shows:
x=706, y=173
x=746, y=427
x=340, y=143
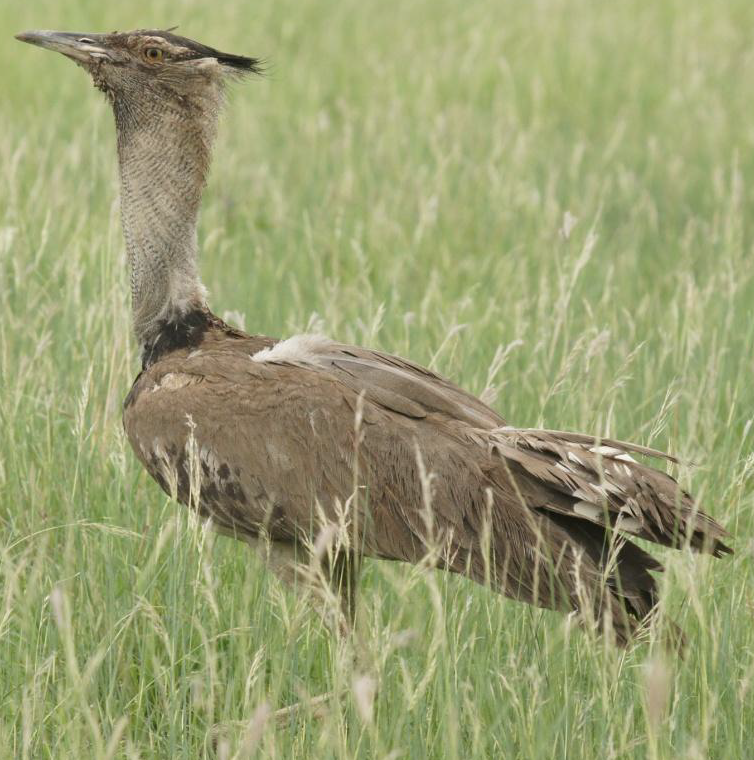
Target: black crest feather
x=241, y=63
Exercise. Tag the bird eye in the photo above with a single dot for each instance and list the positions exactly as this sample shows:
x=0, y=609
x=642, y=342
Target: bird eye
x=153, y=54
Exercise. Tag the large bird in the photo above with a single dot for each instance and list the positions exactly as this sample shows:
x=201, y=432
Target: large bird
x=281, y=439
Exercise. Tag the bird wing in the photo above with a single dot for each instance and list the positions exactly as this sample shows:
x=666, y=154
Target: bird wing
x=600, y=479
x=279, y=431
x=389, y=381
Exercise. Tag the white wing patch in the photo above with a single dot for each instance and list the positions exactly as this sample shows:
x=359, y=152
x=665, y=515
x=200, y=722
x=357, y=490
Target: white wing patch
x=298, y=349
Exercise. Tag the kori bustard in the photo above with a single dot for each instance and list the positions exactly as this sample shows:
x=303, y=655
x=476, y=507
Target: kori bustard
x=283, y=439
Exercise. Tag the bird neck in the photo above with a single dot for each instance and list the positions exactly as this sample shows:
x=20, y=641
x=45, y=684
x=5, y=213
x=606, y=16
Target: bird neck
x=164, y=156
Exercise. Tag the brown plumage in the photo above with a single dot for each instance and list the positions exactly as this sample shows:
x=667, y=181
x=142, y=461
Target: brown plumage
x=284, y=438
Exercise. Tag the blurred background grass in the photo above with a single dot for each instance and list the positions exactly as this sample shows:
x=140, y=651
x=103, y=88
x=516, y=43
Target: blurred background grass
x=563, y=186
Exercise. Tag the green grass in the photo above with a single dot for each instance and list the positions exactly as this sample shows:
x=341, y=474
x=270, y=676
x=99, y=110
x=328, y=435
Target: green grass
x=401, y=179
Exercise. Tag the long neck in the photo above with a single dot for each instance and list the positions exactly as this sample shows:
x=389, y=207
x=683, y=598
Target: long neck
x=164, y=156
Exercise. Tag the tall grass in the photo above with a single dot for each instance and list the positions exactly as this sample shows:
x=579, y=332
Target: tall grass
x=550, y=202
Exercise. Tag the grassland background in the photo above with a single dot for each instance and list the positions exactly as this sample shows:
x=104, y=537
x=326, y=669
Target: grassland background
x=400, y=179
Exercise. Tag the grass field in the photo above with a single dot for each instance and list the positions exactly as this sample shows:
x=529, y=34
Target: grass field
x=552, y=200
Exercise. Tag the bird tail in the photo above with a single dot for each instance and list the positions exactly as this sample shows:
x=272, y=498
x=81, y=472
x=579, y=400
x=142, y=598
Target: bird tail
x=598, y=481
x=584, y=495
x=571, y=565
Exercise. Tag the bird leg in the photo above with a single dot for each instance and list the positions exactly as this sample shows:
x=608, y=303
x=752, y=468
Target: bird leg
x=330, y=580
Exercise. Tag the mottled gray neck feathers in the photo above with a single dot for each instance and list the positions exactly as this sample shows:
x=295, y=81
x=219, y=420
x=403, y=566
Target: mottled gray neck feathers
x=164, y=151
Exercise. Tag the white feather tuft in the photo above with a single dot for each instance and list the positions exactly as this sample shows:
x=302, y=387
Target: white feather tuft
x=575, y=459
x=625, y=457
x=588, y=510
x=630, y=524
x=606, y=451
x=298, y=349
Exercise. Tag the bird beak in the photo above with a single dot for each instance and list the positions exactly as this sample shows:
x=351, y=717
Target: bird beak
x=83, y=48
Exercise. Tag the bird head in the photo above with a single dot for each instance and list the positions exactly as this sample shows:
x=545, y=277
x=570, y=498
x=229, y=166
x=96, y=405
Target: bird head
x=131, y=66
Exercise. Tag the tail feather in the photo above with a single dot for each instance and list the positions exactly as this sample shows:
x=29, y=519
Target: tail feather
x=604, y=485
x=627, y=571
x=627, y=576
x=585, y=494
x=570, y=565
